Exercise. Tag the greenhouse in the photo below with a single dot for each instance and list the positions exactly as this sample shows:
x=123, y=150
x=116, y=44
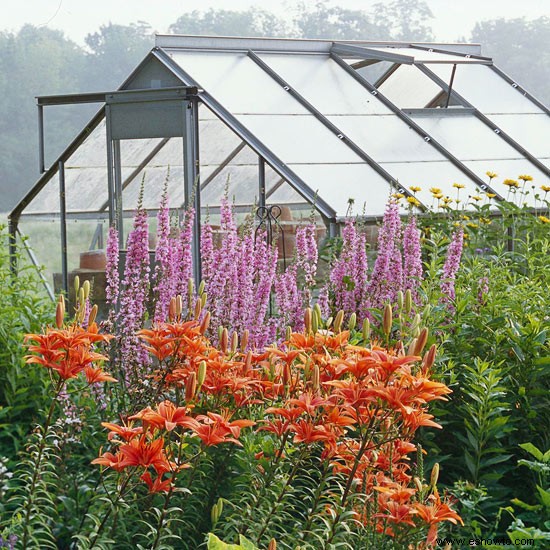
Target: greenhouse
x=288, y=126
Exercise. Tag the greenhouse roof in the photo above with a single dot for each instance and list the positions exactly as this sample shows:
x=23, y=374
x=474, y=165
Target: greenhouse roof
x=326, y=122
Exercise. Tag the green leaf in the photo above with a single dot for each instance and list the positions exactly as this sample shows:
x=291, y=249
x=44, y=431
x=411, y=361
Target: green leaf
x=246, y=544
x=532, y=450
x=214, y=543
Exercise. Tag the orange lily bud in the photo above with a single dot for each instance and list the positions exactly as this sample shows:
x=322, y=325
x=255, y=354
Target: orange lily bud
x=205, y=323
x=224, y=340
x=429, y=358
x=234, y=342
x=338, y=320
x=408, y=301
x=421, y=341
x=201, y=373
x=179, y=306
x=412, y=347
x=272, y=545
x=388, y=320
x=172, y=309
x=316, y=378
x=93, y=314
x=198, y=308
x=307, y=320
x=352, y=321
x=244, y=339
x=59, y=314
x=366, y=330
x=435, y=475
x=190, y=387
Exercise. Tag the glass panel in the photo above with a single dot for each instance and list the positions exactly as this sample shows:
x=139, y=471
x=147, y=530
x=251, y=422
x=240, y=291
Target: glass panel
x=425, y=175
x=300, y=139
x=486, y=90
x=407, y=87
x=425, y=56
x=466, y=137
x=237, y=82
x=373, y=72
x=386, y=138
x=531, y=131
x=47, y=200
x=325, y=84
x=338, y=183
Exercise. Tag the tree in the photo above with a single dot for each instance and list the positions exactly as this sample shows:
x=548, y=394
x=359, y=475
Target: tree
x=325, y=21
x=519, y=47
x=252, y=22
x=406, y=19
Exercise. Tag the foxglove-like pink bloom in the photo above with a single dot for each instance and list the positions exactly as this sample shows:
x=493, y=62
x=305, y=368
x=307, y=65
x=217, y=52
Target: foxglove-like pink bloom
x=450, y=268
x=111, y=269
x=164, y=276
x=412, y=259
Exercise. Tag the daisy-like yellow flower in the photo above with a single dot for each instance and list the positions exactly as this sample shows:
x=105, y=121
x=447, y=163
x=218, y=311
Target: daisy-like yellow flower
x=477, y=198
x=447, y=200
x=413, y=200
x=490, y=195
x=473, y=225
x=485, y=221
x=435, y=190
x=438, y=195
x=415, y=188
x=398, y=196
x=525, y=178
x=545, y=188
x=458, y=186
x=544, y=219
x=511, y=183
x=491, y=175
x=464, y=217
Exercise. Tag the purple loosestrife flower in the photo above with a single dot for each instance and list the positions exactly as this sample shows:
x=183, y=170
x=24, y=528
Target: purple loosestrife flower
x=164, y=276
x=387, y=275
x=307, y=256
x=348, y=276
x=111, y=270
x=483, y=290
x=450, y=268
x=289, y=299
x=412, y=259
x=133, y=297
x=183, y=259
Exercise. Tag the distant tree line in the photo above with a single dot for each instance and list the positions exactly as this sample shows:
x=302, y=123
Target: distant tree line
x=41, y=61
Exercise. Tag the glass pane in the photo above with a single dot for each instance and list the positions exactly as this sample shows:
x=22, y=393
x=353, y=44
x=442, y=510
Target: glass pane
x=237, y=82
x=486, y=90
x=325, y=84
x=407, y=87
x=338, y=183
x=425, y=56
x=531, y=131
x=47, y=200
x=373, y=72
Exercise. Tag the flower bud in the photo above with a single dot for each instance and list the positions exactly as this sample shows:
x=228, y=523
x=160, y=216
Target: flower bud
x=190, y=286
x=76, y=284
x=86, y=288
x=387, y=321
x=352, y=321
x=204, y=297
x=408, y=301
x=272, y=545
x=93, y=314
x=172, y=309
x=400, y=299
x=198, y=308
x=286, y=374
x=435, y=475
x=234, y=342
x=179, y=306
x=201, y=373
x=314, y=322
x=338, y=321
x=429, y=359
x=244, y=339
x=316, y=379
x=329, y=322
x=59, y=314
x=201, y=288
x=421, y=341
x=418, y=484
x=205, y=323
x=318, y=312
x=366, y=330
x=190, y=386
x=307, y=320
x=248, y=361
x=220, y=332
x=412, y=347
x=224, y=340
x=288, y=334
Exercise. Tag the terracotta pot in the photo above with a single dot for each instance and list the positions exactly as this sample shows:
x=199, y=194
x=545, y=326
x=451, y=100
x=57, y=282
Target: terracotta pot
x=93, y=259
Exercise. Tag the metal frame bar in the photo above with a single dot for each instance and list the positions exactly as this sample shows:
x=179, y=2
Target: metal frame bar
x=451, y=82
x=219, y=169
x=481, y=58
x=41, y=161
x=274, y=188
x=110, y=173
x=520, y=89
x=413, y=125
x=366, y=53
x=117, y=172
x=386, y=75
x=252, y=141
x=487, y=121
x=261, y=182
x=63, y=226
x=331, y=126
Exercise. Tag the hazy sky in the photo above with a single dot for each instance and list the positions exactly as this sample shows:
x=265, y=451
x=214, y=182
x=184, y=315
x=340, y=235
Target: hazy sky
x=453, y=19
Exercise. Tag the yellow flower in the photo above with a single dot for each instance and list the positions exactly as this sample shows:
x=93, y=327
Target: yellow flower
x=435, y=190
x=511, y=183
x=544, y=219
x=447, y=200
x=491, y=175
x=398, y=196
x=491, y=195
x=438, y=195
x=414, y=201
x=477, y=198
x=485, y=221
x=415, y=188
x=545, y=188
x=464, y=217
x=458, y=185
x=525, y=178
x=473, y=225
